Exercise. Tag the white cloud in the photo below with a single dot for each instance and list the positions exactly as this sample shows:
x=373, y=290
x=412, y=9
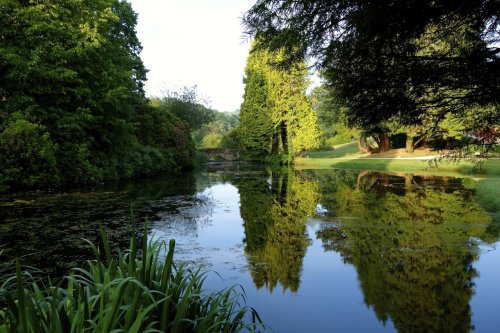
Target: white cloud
x=188, y=42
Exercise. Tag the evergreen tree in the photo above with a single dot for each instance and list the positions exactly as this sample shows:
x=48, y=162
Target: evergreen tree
x=276, y=120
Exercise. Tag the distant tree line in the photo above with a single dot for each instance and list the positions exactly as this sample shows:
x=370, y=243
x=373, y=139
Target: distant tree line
x=210, y=128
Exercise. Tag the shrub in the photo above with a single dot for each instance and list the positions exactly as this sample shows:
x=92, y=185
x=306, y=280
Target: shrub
x=231, y=140
x=27, y=155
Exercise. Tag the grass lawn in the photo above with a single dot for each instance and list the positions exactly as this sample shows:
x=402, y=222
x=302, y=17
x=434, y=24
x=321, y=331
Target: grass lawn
x=343, y=150
x=347, y=156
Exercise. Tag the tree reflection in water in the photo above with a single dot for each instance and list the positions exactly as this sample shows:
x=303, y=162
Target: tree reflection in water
x=411, y=240
x=275, y=212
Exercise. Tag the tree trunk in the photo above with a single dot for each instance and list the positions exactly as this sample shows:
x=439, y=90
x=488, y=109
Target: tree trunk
x=384, y=142
x=284, y=137
x=275, y=144
x=362, y=144
x=409, y=144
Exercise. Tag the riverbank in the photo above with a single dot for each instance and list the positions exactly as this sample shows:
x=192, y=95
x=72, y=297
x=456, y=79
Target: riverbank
x=423, y=162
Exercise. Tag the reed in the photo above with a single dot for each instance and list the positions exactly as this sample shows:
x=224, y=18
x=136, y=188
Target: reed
x=140, y=290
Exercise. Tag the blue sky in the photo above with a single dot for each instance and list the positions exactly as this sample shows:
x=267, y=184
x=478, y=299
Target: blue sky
x=194, y=42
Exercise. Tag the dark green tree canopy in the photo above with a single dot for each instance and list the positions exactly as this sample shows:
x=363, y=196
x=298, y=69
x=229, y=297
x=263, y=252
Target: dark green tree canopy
x=382, y=58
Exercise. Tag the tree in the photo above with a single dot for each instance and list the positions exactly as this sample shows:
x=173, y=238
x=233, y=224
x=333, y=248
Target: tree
x=164, y=141
x=27, y=155
x=188, y=106
x=276, y=119
x=256, y=127
x=331, y=117
x=211, y=135
x=71, y=75
x=371, y=53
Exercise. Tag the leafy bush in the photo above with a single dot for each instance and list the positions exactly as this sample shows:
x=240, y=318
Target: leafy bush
x=28, y=156
x=127, y=294
x=231, y=140
x=211, y=140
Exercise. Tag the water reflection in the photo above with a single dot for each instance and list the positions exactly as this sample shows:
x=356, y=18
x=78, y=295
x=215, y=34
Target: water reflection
x=275, y=211
x=411, y=240
x=48, y=229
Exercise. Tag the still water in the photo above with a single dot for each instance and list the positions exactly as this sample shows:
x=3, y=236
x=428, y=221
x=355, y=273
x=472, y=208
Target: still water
x=315, y=250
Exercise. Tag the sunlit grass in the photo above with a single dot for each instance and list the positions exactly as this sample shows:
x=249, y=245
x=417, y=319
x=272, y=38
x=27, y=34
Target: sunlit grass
x=344, y=150
x=328, y=159
x=488, y=193
x=131, y=293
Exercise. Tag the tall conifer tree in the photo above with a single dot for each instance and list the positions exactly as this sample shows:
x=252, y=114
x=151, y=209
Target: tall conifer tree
x=276, y=121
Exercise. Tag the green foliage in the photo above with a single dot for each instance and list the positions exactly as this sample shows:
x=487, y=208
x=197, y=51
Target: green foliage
x=276, y=117
x=211, y=140
x=133, y=293
x=188, y=106
x=369, y=52
x=28, y=156
x=343, y=136
x=72, y=81
x=332, y=118
x=397, y=60
x=211, y=135
x=164, y=139
x=255, y=125
x=232, y=140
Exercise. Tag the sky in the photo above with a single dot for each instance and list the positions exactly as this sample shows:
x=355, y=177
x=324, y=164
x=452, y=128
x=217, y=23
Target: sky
x=194, y=42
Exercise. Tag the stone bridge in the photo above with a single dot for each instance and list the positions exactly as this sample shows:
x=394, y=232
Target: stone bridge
x=221, y=154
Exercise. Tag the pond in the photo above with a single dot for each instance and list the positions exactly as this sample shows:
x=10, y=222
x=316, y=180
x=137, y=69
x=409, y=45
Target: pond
x=314, y=250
